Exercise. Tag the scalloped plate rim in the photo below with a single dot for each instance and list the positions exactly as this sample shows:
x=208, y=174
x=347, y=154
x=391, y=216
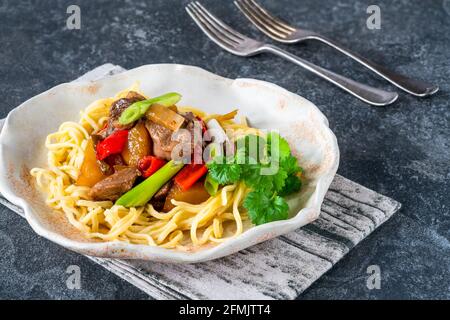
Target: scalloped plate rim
x=123, y=250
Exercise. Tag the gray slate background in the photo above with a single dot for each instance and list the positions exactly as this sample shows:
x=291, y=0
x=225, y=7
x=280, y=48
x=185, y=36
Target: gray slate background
x=401, y=151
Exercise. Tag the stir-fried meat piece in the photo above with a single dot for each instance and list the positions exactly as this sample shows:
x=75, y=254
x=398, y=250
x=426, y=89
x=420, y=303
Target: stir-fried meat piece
x=159, y=198
x=162, y=140
x=113, y=123
x=134, y=96
x=100, y=135
x=105, y=168
x=110, y=163
x=195, y=128
x=97, y=137
x=164, y=191
x=186, y=140
x=189, y=116
x=116, y=110
x=112, y=187
x=115, y=160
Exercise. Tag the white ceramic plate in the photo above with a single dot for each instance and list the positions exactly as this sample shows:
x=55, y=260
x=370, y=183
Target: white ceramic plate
x=266, y=106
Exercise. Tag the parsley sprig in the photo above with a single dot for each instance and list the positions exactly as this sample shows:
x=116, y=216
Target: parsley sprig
x=254, y=156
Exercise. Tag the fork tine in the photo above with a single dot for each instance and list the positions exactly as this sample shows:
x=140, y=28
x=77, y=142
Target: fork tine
x=226, y=27
x=206, y=28
x=275, y=20
x=257, y=21
x=216, y=26
x=267, y=19
x=213, y=25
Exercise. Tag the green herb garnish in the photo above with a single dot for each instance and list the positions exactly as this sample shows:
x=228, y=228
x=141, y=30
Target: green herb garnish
x=292, y=184
x=268, y=168
x=263, y=208
x=223, y=170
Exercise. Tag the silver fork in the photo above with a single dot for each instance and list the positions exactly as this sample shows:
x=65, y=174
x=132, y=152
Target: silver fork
x=285, y=33
x=238, y=44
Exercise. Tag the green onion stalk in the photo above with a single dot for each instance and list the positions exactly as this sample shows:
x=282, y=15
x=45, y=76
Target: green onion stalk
x=211, y=185
x=143, y=192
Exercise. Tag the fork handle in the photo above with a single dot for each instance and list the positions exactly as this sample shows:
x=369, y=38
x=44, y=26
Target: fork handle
x=412, y=86
x=370, y=95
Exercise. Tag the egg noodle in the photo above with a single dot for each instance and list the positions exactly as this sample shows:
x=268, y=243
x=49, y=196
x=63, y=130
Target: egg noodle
x=185, y=226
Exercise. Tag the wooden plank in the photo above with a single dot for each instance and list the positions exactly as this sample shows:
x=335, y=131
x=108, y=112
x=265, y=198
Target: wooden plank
x=319, y=244
x=265, y=271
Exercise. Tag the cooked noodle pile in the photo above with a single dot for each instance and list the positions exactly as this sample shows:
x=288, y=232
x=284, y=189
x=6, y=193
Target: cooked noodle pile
x=186, y=225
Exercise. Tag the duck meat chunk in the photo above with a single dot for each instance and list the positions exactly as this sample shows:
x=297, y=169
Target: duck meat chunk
x=108, y=165
x=189, y=116
x=134, y=96
x=112, y=187
x=159, y=198
x=162, y=140
x=164, y=191
x=195, y=128
x=165, y=140
x=116, y=110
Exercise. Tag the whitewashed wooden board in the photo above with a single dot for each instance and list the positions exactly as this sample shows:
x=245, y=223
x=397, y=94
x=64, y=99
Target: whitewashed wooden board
x=281, y=268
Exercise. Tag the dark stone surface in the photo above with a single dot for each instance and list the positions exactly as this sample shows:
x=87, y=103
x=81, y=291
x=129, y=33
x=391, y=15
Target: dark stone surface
x=401, y=151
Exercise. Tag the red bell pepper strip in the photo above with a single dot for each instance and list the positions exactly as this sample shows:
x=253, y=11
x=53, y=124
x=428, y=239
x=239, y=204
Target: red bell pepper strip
x=148, y=165
x=190, y=174
x=112, y=144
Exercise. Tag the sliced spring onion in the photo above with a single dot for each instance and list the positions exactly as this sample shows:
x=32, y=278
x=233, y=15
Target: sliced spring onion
x=143, y=192
x=138, y=109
